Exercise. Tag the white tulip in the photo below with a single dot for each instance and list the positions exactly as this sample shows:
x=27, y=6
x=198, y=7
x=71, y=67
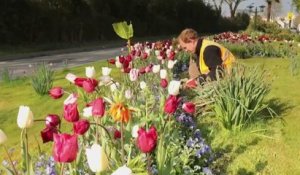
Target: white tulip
x=148, y=51
x=171, y=63
x=143, y=85
x=114, y=87
x=87, y=112
x=156, y=68
x=128, y=94
x=124, y=170
x=90, y=72
x=157, y=52
x=106, y=71
x=71, y=77
x=72, y=98
x=104, y=80
x=96, y=158
x=118, y=63
x=163, y=74
x=173, y=87
x=134, y=131
x=25, y=117
x=133, y=74
x=3, y=137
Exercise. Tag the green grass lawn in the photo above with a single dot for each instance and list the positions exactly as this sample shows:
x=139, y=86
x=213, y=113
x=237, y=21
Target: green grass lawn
x=273, y=151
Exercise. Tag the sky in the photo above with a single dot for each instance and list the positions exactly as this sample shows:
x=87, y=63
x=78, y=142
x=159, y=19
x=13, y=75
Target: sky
x=285, y=6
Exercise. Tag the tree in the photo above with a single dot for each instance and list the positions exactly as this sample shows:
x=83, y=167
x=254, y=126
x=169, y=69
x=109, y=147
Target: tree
x=297, y=4
x=269, y=8
x=233, y=5
x=218, y=5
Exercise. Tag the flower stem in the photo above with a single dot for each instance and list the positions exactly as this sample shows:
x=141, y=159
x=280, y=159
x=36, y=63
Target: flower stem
x=26, y=152
x=102, y=128
x=97, y=129
x=122, y=142
x=62, y=169
x=148, y=164
x=10, y=161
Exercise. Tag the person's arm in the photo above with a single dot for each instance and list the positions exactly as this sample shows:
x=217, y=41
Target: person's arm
x=213, y=60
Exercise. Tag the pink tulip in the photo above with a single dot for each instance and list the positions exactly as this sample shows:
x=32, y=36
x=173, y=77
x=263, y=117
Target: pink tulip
x=52, y=120
x=81, y=126
x=117, y=134
x=71, y=112
x=47, y=134
x=65, y=147
x=189, y=107
x=146, y=140
x=89, y=85
x=133, y=74
x=171, y=104
x=79, y=81
x=98, y=107
x=56, y=92
x=164, y=83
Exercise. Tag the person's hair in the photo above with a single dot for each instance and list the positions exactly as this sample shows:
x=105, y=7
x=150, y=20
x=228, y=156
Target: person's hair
x=187, y=35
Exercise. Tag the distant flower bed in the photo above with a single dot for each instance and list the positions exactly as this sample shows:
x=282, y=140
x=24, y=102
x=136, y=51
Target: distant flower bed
x=245, y=46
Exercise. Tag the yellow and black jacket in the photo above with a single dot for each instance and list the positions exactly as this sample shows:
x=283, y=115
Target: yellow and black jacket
x=211, y=57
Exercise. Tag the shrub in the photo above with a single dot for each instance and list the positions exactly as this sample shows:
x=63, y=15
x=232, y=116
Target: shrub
x=238, y=97
x=42, y=79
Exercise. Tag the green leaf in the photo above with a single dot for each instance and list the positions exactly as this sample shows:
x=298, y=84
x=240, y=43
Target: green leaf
x=123, y=30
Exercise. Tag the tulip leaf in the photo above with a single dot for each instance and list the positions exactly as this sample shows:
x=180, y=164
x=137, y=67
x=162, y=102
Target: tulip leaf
x=123, y=30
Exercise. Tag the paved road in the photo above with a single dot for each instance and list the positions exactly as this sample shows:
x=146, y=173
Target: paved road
x=23, y=67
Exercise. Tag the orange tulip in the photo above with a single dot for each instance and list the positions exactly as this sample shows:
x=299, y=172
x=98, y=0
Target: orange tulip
x=120, y=112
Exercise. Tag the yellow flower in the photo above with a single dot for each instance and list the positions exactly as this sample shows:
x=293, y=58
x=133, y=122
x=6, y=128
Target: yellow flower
x=120, y=112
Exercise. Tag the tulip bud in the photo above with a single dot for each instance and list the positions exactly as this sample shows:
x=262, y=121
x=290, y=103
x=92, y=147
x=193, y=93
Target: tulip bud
x=128, y=94
x=163, y=83
x=156, y=68
x=134, y=131
x=81, y=126
x=87, y=112
x=146, y=140
x=90, y=72
x=173, y=88
x=189, y=107
x=171, y=64
x=143, y=85
x=117, y=134
x=71, y=77
x=124, y=170
x=98, y=108
x=106, y=71
x=133, y=74
x=163, y=74
x=96, y=158
x=3, y=137
x=171, y=104
x=71, y=112
x=65, y=147
x=25, y=117
x=56, y=92
x=52, y=120
x=47, y=134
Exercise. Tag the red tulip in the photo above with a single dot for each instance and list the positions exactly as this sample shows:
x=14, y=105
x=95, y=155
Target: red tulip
x=89, y=85
x=171, y=104
x=65, y=147
x=189, y=107
x=146, y=141
x=117, y=134
x=71, y=112
x=163, y=83
x=79, y=81
x=144, y=55
x=81, y=126
x=98, y=107
x=142, y=70
x=56, y=92
x=121, y=59
x=52, y=120
x=47, y=134
x=112, y=61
